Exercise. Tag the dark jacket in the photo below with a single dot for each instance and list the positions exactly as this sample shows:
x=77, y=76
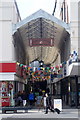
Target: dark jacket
x=48, y=101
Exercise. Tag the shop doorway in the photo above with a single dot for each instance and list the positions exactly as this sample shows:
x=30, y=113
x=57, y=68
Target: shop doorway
x=79, y=94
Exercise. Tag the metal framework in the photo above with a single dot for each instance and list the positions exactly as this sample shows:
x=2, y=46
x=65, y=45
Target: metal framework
x=37, y=32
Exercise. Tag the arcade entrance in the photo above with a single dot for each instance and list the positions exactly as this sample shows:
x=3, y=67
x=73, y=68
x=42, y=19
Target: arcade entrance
x=39, y=37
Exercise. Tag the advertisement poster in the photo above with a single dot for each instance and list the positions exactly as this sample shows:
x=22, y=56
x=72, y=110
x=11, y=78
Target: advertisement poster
x=58, y=104
x=5, y=100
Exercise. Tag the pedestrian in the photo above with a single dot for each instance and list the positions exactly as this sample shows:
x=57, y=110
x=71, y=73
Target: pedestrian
x=39, y=101
x=19, y=99
x=44, y=99
x=15, y=98
x=31, y=98
x=24, y=98
x=49, y=105
x=46, y=102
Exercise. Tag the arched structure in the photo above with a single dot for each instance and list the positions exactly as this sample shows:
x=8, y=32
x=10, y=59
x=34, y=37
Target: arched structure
x=41, y=36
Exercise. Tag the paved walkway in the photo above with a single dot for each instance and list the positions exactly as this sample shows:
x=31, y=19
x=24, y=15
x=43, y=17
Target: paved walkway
x=73, y=114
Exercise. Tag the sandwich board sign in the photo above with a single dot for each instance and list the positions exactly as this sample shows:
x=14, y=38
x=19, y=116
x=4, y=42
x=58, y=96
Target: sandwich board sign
x=58, y=104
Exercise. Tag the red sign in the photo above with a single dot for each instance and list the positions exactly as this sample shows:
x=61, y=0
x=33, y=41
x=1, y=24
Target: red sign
x=41, y=42
x=5, y=102
x=7, y=67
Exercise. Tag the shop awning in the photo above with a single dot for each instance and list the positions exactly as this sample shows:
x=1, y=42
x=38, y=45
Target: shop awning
x=74, y=69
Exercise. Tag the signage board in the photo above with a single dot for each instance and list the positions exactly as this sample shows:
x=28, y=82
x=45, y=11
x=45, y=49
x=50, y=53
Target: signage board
x=5, y=101
x=41, y=42
x=58, y=104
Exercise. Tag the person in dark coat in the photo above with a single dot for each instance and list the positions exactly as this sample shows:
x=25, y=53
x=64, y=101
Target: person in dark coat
x=24, y=98
x=19, y=99
x=49, y=105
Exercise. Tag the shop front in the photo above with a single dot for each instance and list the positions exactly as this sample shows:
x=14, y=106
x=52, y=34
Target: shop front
x=78, y=90
x=12, y=80
x=68, y=89
x=7, y=72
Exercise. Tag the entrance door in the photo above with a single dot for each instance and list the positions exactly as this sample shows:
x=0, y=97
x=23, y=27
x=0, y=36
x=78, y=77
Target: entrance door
x=79, y=94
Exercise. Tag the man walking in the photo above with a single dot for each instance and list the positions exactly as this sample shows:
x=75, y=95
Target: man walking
x=49, y=105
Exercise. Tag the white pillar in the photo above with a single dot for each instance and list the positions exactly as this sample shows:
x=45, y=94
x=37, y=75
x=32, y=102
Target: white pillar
x=12, y=100
x=74, y=25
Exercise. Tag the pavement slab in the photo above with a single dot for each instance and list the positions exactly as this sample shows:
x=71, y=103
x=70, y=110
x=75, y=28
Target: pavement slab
x=66, y=114
x=40, y=119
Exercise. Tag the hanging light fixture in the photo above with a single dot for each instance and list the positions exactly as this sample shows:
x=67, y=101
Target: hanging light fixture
x=41, y=63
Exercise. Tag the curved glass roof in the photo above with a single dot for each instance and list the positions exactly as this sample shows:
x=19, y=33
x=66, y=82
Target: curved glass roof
x=42, y=35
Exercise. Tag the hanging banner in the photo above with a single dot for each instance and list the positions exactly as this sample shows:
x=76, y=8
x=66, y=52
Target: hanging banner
x=41, y=42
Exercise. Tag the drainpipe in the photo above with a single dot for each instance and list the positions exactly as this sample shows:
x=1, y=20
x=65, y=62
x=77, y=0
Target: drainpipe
x=54, y=7
x=64, y=10
x=17, y=9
